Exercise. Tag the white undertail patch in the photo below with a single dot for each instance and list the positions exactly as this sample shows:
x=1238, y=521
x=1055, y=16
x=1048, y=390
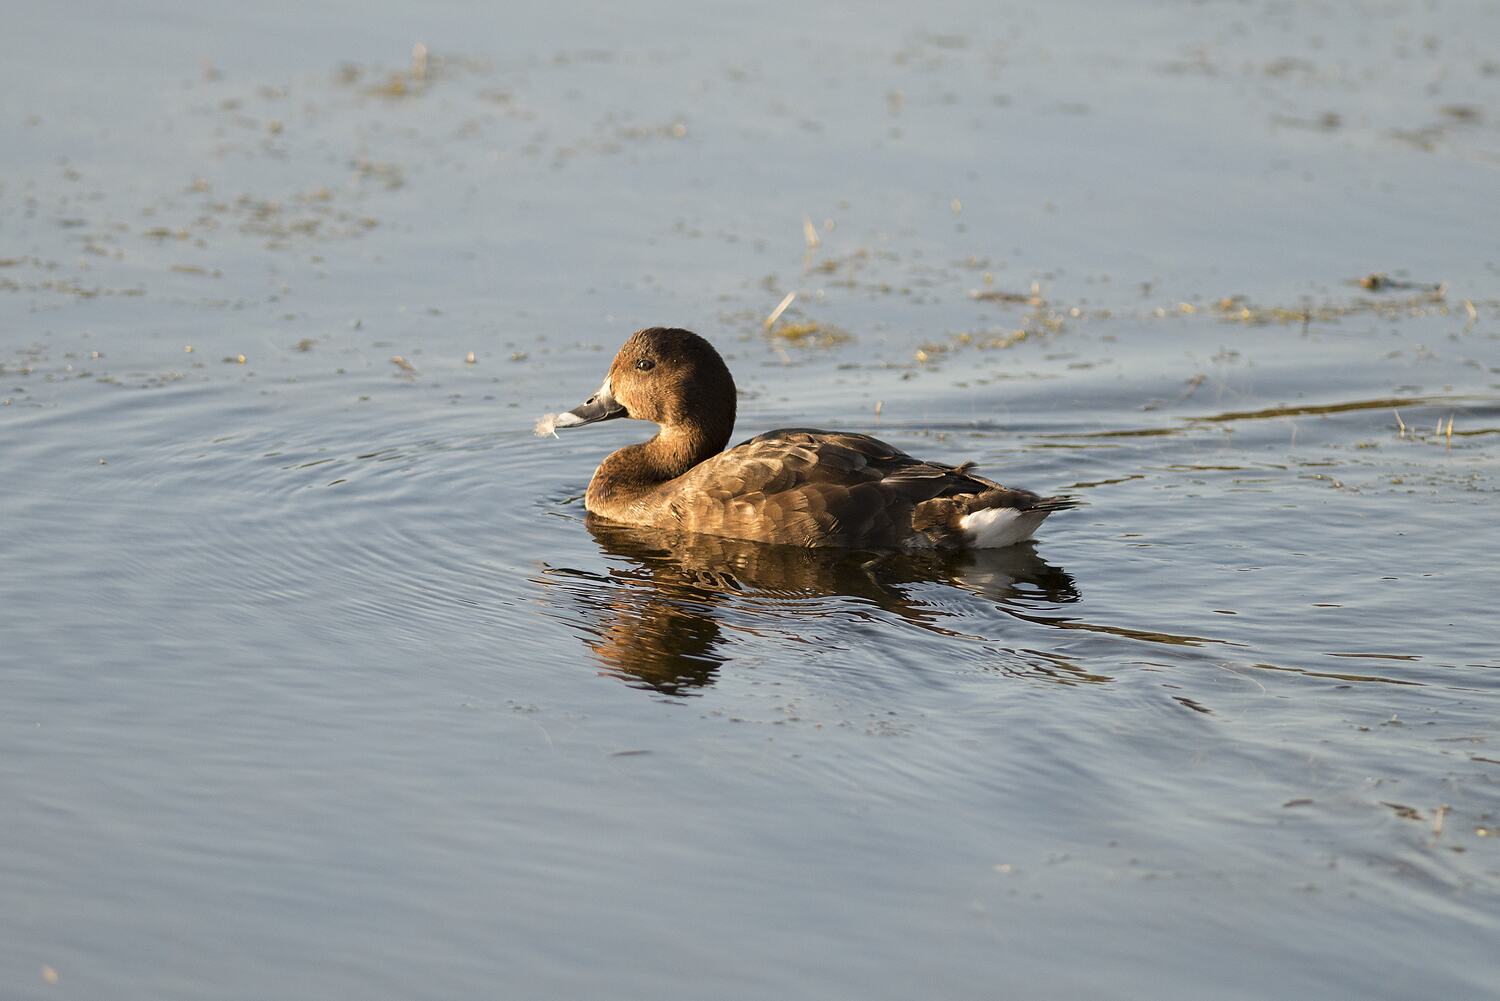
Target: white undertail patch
x=996, y=527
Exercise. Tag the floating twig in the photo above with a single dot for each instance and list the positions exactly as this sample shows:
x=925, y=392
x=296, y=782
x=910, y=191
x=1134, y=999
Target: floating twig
x=780, y=308
x=810, y=234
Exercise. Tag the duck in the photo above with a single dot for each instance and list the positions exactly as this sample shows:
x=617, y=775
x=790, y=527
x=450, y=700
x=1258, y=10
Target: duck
x=794, y=486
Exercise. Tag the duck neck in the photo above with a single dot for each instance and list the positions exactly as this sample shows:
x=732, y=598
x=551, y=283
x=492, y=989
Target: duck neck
x=673, y=450
x=679, y=447
x=635, y=470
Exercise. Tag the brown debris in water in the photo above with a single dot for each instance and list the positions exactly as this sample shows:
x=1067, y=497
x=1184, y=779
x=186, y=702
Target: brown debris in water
x=1377, y=281
x=1032, y=298
x=811, y=334
x=1425, y=300
x=400, y=83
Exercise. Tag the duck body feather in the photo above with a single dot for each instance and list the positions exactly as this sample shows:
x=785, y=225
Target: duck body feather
x=806, y=487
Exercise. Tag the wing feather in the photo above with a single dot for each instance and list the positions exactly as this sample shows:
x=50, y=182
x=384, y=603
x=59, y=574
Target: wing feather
x=827, y=488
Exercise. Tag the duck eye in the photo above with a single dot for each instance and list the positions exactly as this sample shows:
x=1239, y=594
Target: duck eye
x=645, y=364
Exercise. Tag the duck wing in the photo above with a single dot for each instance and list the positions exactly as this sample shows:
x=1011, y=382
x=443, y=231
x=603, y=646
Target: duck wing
x=805, y=487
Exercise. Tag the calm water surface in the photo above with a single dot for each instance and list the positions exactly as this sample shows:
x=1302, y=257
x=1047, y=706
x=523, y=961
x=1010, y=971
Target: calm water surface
x=317, y=682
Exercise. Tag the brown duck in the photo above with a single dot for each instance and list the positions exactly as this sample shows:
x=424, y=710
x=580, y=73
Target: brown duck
x=795, y=486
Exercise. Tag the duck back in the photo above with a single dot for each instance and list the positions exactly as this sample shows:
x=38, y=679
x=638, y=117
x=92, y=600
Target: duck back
x=806, y=487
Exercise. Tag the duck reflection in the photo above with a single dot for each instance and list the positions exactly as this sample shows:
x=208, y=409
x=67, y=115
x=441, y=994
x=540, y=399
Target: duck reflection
x=659, y=621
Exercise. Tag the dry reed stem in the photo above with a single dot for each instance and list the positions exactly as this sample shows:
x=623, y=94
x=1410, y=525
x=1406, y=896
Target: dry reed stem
x=780, y=308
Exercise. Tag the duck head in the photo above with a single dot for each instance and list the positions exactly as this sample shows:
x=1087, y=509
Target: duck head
x=665, y=375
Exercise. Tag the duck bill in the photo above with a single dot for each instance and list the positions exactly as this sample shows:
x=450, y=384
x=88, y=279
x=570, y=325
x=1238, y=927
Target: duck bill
x=602, y=406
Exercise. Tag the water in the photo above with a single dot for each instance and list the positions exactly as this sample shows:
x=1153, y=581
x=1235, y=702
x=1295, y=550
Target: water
x=318, y=682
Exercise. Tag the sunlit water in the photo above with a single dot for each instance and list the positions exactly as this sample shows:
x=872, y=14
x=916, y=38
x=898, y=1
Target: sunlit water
x=318, y=683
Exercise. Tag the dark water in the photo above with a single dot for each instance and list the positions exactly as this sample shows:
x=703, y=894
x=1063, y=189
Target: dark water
x=317, y=683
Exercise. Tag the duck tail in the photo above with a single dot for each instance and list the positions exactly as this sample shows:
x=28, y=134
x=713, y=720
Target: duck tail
x=1061, y=502
x=992, y=518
